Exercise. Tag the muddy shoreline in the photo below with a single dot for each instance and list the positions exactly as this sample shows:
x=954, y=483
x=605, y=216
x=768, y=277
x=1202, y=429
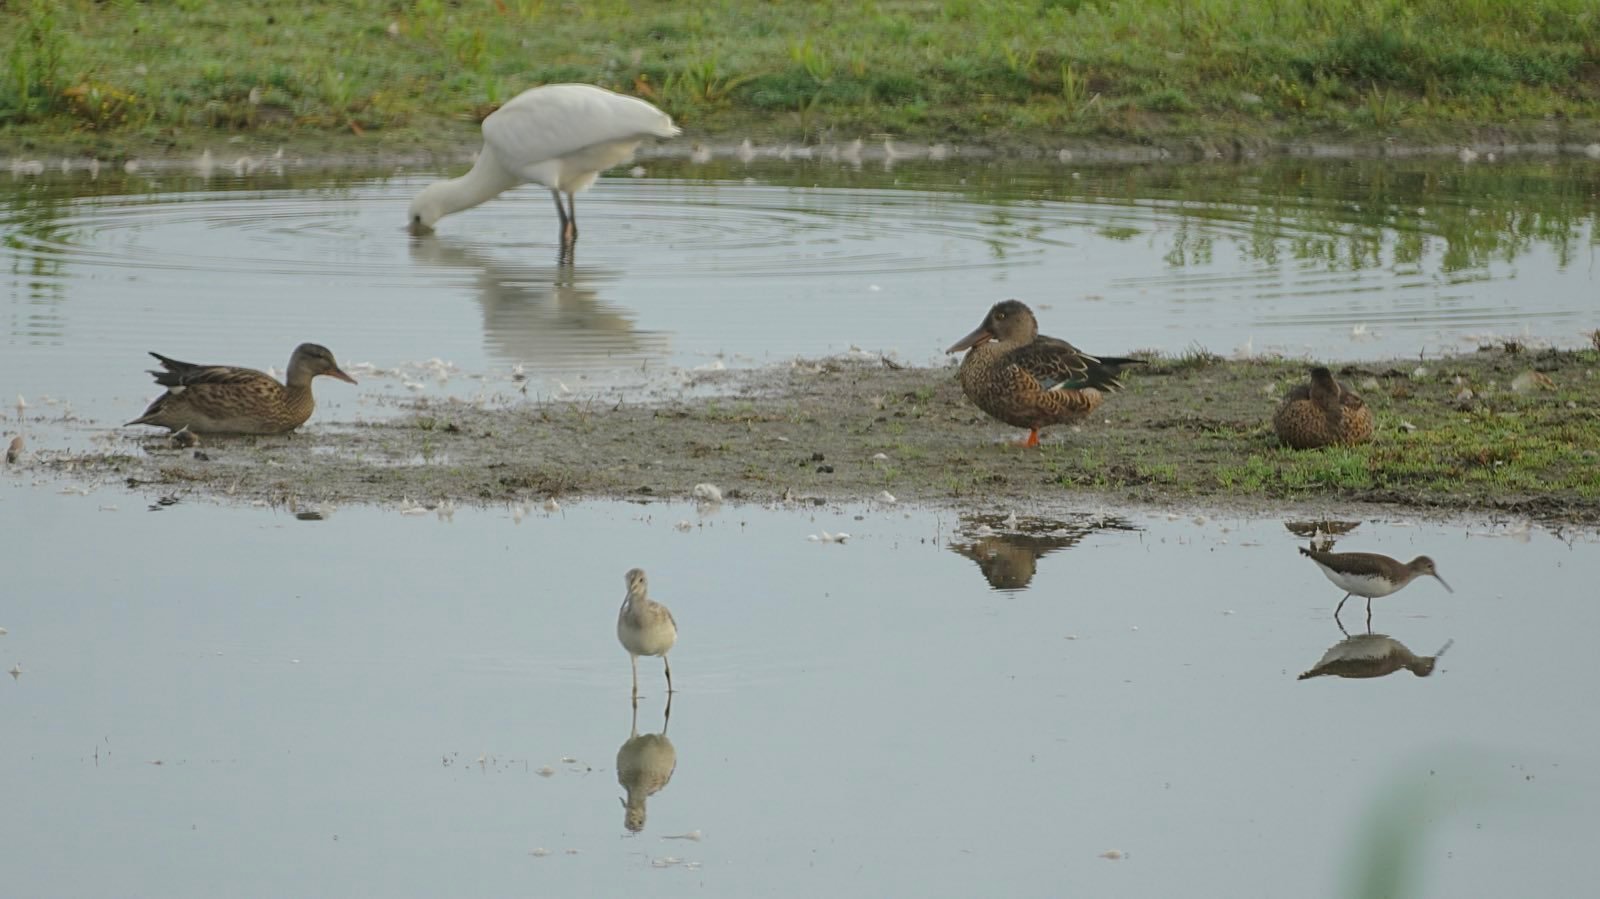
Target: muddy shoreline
x=457, y=145
x=1455, y=437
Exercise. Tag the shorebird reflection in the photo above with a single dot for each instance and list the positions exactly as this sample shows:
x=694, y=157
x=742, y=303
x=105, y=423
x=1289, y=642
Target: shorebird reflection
x=1008, y=550
x=1372, y=655
x=1325, y=529
x=552, y=315
x=645, y=763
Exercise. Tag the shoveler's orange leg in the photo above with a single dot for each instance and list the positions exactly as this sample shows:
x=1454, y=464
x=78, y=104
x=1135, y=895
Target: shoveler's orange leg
x=1031, y=440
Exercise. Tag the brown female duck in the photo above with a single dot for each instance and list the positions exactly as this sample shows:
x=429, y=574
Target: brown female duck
x=224, y=399
x=1322, y=413
x=1028, y=380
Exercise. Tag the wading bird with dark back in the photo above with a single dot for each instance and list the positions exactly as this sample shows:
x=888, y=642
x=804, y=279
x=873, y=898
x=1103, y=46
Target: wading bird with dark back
x=1370, y=574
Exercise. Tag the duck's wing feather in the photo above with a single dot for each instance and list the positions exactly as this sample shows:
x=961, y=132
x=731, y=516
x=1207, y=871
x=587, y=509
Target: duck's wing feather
x=1058, y=365
x=188, y=374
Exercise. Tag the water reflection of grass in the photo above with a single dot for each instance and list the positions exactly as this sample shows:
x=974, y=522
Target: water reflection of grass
x=1422, y=216
x=951, y=70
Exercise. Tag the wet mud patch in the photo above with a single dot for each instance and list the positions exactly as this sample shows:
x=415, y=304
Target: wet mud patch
x=1472, y=433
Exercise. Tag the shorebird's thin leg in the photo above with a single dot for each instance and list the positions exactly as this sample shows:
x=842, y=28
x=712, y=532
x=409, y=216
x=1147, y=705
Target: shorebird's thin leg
x=1341, y=606
x=666, y=717
x=1369, y=614
x=1341, y=626
x=635, y=660
x=571, y=231
x=669, y=672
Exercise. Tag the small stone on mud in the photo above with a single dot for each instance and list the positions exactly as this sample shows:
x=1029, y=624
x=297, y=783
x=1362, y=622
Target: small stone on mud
x=824, y=469
x=1112, y=854
x=817, y=457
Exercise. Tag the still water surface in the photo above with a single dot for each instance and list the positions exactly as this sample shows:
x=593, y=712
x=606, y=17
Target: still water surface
x=222, y=701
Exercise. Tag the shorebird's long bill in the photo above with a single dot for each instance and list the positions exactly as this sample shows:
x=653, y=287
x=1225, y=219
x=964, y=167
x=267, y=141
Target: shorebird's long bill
x=981, y=335
x=1441, y=580
x=337, y=373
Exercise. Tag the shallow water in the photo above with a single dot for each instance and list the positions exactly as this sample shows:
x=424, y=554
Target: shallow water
x=366, y=703
x=727, y=264
x=219, y=700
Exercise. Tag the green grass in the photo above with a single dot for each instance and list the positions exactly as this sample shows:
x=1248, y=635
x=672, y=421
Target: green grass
x=1500, y=443
x=960, y=70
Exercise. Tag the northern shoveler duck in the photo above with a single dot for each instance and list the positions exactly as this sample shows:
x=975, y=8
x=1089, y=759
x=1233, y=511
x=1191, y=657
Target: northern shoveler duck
x=1322, y=413
x=1027, y=380
x=224, y=399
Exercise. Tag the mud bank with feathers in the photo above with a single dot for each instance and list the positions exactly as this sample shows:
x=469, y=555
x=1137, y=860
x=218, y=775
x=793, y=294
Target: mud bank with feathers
x=1503, y=432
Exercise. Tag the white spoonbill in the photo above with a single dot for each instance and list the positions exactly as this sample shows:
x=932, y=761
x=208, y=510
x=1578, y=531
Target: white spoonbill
x=559, y=135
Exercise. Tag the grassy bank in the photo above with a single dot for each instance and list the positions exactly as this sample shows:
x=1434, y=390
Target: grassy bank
x=1503, y=431
x=110, y=76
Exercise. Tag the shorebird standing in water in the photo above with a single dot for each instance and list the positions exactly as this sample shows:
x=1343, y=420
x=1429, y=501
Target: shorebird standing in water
x=645, y=627
x=1369, y=574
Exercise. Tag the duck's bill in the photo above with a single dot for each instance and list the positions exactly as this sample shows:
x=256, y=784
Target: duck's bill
x=981, y=335
x=417, y=228
x=338, y=373
x=1446, y=586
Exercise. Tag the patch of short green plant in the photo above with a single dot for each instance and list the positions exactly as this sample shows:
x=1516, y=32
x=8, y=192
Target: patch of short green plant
x=936, y=69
